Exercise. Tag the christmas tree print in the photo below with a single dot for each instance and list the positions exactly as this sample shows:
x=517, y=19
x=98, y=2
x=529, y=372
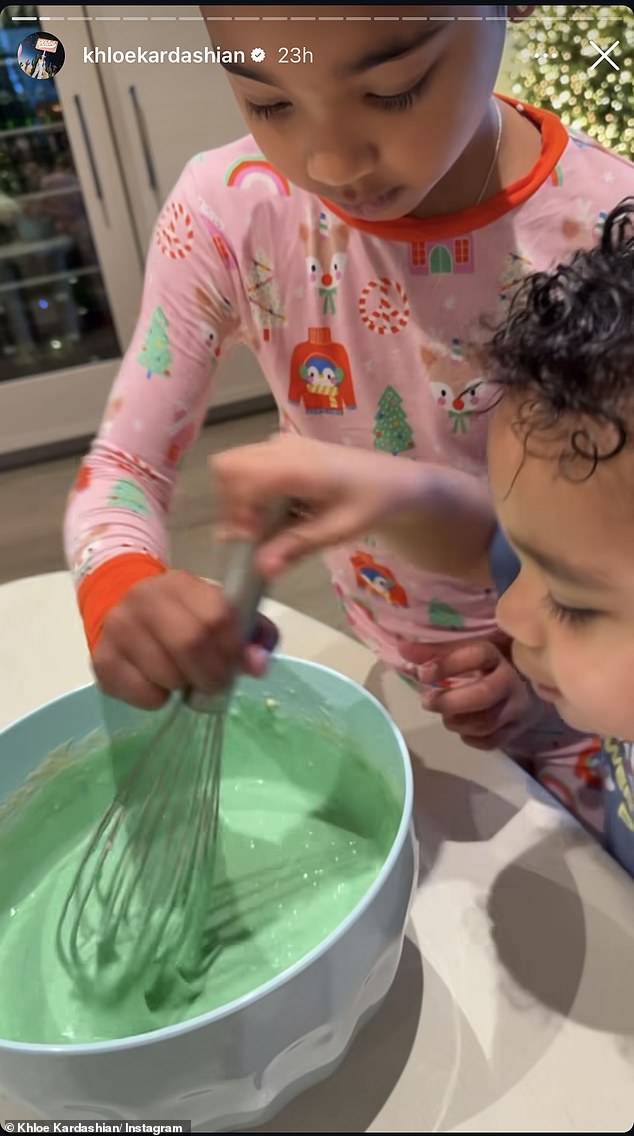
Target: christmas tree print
x=392, y=431
x=444, y=615
x=156, y=356
x=264, y=295
x=128, y=495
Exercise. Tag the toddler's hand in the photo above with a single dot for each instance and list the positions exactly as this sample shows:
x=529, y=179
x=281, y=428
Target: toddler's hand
x=488, y=711
x=345, y=491
x=170, y=632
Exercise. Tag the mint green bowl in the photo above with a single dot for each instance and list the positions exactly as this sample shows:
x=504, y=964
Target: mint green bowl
x=238, y=1065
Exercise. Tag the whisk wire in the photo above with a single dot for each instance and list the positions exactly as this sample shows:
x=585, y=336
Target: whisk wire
x=139, y=901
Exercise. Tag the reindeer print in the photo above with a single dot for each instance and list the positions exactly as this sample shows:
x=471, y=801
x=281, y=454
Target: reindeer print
x=216, y=318
x=326, y=250
x=458, y=389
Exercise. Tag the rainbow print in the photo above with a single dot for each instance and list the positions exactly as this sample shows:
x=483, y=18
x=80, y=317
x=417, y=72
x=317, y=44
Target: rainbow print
x=557, y=176
x=253, y=170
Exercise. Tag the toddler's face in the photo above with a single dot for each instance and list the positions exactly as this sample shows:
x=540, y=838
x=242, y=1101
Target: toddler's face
x=379, y=112
x=571, y=609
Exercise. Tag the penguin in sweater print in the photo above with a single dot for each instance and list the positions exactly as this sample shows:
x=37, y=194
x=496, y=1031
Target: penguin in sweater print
x=321, y=377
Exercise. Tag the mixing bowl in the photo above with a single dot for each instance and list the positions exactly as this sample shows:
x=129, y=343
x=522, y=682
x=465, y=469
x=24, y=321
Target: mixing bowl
x=238, y=1065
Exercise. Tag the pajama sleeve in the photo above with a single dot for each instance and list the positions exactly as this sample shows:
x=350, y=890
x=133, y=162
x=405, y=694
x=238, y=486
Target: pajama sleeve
x=193, y=308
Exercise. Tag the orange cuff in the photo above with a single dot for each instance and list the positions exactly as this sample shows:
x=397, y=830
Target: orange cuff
x=104, y=588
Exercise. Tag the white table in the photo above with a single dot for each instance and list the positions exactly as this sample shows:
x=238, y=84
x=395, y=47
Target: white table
x=513, y=1009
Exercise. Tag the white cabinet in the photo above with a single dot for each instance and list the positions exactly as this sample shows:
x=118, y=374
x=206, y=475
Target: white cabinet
x=162, y=113
x=69, y=283
x=126, y=130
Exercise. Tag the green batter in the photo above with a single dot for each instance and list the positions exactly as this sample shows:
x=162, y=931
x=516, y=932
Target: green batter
x=305, y=828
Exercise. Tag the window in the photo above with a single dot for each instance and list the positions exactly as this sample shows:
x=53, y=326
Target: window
x=462, y=250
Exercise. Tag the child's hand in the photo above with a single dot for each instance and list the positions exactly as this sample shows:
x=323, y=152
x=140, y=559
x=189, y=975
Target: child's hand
x=170, y=632
x=490, y=710
x=346, y=492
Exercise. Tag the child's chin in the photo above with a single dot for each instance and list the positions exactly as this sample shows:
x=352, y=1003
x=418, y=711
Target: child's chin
x=407, y=206
x=577, y=717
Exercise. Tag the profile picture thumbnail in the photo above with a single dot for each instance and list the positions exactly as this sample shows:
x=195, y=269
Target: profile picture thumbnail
x=41, y=55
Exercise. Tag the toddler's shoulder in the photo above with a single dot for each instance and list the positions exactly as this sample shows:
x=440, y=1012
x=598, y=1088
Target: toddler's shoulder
x=588, y=166
x=618, y=777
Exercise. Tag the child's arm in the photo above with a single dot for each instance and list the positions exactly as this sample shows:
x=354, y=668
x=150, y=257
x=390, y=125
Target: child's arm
x=450, y=528
x=149, y=629
x=440, y=519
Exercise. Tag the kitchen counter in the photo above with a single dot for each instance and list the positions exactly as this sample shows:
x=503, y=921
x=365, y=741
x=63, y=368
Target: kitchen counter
x=513, y=1009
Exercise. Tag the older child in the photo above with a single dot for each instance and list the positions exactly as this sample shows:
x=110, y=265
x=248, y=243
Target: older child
x=385, y=203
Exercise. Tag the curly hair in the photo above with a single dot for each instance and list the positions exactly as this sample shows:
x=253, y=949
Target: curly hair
x=567, y=344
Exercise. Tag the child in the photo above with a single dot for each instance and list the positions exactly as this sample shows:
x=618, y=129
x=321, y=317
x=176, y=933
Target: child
x=562, y=473
x=567, y=360
x=561, y=465
x=386, y=202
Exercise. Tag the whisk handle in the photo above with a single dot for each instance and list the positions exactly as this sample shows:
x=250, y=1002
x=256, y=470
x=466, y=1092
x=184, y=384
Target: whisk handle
x=244, y=587
x=243, y=584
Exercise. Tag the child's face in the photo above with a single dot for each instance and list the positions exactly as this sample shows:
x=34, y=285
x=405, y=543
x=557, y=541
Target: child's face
x=383, y=111
x=571, y=609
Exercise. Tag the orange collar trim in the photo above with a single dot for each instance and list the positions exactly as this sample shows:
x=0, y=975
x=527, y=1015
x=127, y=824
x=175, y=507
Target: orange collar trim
x=554, y=142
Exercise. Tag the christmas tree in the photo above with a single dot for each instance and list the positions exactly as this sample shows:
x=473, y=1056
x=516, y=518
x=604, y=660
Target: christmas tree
x=156, y=356
x=127, y=495
x=392, y=431
x=548, y=61
x=442, y=614
x=264, y=295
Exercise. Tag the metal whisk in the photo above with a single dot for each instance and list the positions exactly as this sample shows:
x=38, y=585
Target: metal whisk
x=139, y=902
